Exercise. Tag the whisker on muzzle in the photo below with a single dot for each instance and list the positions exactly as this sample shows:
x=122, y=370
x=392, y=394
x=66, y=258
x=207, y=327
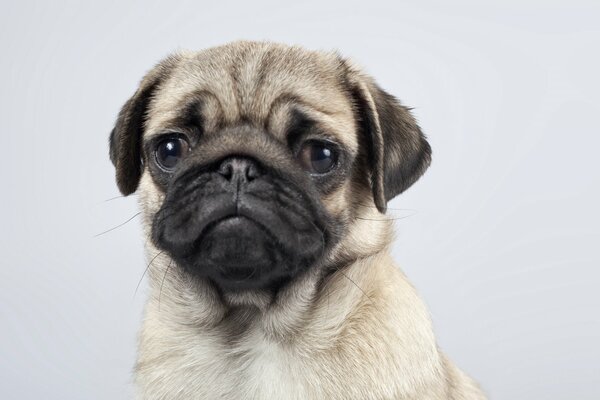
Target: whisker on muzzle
x=163, y=282
x=114, y=198
x=118, y=226
x=146, y=270
x=389, y=208
x=387, y=218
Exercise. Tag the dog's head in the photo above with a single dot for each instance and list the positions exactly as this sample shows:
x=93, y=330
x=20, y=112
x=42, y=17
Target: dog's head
x=256, y=159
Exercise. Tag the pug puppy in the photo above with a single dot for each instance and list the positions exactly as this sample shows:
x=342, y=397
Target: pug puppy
x=263, y=172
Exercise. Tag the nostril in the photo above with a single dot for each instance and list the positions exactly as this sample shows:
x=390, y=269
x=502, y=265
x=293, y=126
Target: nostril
x=226, y=169
x=251, y=172
x=239, y=169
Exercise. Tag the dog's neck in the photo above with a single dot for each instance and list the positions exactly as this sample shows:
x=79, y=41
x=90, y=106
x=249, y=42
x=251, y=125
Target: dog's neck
x=341, y=283
x=321, y=322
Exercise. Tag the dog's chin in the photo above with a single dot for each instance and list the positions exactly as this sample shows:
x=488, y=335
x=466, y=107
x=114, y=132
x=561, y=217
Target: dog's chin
x=243, y=254
x=239, y=254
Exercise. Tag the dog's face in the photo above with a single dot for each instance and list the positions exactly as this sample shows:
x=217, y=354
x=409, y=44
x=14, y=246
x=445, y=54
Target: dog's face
x=256, y=159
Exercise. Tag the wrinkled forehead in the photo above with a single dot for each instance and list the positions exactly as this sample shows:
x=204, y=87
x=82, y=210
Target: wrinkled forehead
x=266, y=87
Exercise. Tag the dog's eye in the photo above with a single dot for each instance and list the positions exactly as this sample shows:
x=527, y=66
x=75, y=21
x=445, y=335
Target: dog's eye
x=317, y=157
x=170, y=151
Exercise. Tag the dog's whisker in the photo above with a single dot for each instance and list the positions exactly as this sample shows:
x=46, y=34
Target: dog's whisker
x=114, y=198
x=328, y=294
x=118, y=226
x=321, y=233
x=163, y=282
x=387, y=218
x=389, y=208
x=146, y=270
x=354, y=283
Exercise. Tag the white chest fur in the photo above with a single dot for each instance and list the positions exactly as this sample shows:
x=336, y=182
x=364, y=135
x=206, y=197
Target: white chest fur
x=374, y=342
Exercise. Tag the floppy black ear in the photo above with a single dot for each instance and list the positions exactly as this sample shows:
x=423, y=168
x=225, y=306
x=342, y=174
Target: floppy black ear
x=397, y=149
x=125, y=141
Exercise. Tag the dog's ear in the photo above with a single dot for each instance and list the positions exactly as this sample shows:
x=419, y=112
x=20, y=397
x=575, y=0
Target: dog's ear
x=125, y=141
x=397, y=150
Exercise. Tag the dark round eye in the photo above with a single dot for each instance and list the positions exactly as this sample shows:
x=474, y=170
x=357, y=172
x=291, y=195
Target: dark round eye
x=170, y=151
x=317, y=157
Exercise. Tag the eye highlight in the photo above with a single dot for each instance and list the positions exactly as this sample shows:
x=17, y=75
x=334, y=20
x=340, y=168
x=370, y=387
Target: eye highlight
x=318, y=157
x=170, y=151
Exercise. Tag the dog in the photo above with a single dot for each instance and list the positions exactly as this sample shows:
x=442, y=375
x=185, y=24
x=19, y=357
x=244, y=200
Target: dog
x=263, y=173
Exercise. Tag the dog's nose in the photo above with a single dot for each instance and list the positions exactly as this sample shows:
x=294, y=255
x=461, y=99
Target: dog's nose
x=239, y=169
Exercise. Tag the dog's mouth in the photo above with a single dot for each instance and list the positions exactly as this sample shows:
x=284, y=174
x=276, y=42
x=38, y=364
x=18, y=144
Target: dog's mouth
x=240, y=240
x=239, y=250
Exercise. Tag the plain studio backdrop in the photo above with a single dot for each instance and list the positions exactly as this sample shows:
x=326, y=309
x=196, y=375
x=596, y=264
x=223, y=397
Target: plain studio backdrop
x=501, y=236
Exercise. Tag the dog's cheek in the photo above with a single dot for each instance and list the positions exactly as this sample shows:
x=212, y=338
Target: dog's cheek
x=365, y=229
x=336, y=202
x=150, y=199
x=339, y=216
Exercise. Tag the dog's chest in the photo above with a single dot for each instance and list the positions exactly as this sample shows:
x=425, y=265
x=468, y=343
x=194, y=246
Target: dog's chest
x=265, y=370
x=253, y=368
x=273, y=370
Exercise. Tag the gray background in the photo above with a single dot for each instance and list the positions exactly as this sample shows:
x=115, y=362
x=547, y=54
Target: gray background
x=504, y=246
